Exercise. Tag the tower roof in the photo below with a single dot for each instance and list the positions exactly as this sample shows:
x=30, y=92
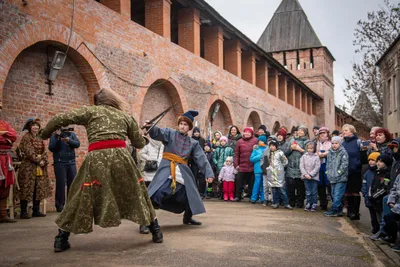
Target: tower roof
x=289, y=29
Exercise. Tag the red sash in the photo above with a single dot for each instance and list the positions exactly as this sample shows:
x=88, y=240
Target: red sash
x=107, y=144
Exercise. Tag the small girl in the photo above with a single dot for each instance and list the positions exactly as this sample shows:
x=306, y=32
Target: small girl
x=276, y=175
x=309, y=167
x=227, y=177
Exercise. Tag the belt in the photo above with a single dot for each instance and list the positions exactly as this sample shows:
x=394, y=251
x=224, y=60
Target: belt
x=174, y=160
x=106, y=144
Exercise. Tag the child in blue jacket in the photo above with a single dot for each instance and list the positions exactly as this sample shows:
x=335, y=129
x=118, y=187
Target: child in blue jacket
x=256, y=155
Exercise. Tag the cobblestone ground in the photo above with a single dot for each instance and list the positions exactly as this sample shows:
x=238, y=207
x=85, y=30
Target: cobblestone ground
x=232, y=234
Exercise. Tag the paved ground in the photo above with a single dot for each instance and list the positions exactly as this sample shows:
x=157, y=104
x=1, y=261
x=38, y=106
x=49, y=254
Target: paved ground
x=233, y=234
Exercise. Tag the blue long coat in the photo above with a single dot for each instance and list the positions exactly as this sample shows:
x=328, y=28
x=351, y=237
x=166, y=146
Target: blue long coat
x=185, y=147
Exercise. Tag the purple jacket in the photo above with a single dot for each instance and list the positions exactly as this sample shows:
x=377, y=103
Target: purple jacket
x=244, y=148
x=310, y=164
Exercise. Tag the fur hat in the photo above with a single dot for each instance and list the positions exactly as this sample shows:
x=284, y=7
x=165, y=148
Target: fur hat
x=30, y=122
x=188, y=117
x=223, y=138
x=262, y=138
x=374, y=156
x=337, y=139
x=249, y=129
x=385, y=158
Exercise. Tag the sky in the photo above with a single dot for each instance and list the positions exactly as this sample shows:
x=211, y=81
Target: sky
x=334, y=21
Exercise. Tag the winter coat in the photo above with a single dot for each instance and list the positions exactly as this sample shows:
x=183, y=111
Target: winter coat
x=352, y=146
x=256, y=157
x=152, y=151
x=201, y=141
x=395, y=170
x=232, y=141
x=244, y=148
x=384, y=149
x=276, y=169
x=284, y=146
x=380, y=182
x=337, y=165
x=293, y=167
x=227, y=173
x=220, y=155
x=366, y=185
x=310, y=164
x=394, y=196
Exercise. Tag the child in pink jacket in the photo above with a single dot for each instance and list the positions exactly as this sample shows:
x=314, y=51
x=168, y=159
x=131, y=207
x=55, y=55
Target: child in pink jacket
x=227, y=176
x=309, y=167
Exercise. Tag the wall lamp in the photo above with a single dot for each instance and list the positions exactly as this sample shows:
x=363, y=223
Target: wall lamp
x=53, y=68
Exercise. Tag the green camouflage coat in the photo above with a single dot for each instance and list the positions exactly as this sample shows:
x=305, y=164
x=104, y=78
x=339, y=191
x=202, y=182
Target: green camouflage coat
x=107, y=187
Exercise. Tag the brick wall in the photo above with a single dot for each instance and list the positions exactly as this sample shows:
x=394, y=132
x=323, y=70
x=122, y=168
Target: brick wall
x=129, y=50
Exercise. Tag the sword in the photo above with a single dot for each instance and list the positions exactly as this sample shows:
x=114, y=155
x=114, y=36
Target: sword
x=157, y=119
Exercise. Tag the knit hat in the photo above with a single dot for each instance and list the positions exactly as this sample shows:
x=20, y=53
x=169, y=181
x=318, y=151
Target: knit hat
x=188, y=117
x=262, y=138
x=249, y=129
x=263, y=127
x=337, y=139
x=385, y=158
x=30, y=122
x=274, y=143
x=229, y=158
x=394, y=143
x=223, y=138
x=304, y=128
x=323, y=130
x=374, y=156
x=196, y=130
x=282, y=132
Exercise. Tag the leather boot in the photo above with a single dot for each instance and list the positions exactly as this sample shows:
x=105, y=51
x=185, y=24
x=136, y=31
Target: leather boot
x=356, y=208
x=61, y=241
x=3, y=212
x=36, y=209
x=350, y=204
x=155, y=230
x=24, y=209
x=187, y=219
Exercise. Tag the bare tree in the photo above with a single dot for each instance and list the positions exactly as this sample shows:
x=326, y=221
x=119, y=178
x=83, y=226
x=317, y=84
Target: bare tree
x=372, y=38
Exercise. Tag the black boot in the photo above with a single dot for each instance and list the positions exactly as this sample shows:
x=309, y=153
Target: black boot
x=187, y=219
x=36, y=209
x=156, y=231
x=61, y=241
x=350, y=204
x=24, y=210
x=356, y=208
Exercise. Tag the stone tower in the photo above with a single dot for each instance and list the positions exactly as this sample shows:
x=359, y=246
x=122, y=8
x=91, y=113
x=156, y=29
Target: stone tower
x=290, y=38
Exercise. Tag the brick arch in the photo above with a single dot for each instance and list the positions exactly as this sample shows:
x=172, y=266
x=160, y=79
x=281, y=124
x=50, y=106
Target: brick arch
x=90, y=69
x=159, y=96
x=224, y=116
x=253, y=119
x=276, y=127
x=158, y=74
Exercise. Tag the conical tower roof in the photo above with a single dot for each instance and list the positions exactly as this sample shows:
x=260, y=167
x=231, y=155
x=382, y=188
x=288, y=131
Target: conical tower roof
x=289, y=29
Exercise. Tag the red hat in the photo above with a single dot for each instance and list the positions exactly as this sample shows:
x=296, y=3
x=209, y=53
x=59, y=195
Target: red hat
x=249, y=129
x=282, y=132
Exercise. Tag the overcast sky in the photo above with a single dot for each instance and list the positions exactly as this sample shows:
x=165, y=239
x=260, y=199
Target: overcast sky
x=334, y=22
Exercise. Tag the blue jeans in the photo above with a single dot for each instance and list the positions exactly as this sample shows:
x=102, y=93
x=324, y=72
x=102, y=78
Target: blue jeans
x=65, y=174
x=338, y=190
x=386, y=211
x=258, y=188
x=311, y=191
x=279, y=193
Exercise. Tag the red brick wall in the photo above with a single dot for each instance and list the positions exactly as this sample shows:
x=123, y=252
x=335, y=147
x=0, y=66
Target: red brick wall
x=135, y=54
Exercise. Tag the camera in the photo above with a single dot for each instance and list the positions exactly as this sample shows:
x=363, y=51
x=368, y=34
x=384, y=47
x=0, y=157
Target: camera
x=65, y=132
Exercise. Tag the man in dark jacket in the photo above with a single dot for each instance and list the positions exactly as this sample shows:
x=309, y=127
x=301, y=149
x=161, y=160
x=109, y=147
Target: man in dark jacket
x=63, y=144
x=198, y=175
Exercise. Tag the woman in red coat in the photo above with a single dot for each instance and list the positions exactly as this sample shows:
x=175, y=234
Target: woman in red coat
x=244, y=148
